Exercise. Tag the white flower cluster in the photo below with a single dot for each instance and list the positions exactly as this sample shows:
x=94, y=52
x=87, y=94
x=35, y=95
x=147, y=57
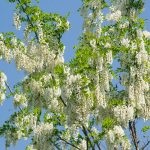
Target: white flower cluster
x=36, y=87
x=20, y=99
x=42, y=134
x=77, y=97
x=92, y=23
x=25, y=124
x=109, y=57
x=124, y=114
x=125, y=42
x=67, y=89
x=17, y=21
x=119, y=5
x=83, y=145
x=4, y=51
x=3, y=79
x=93, y=43
x=146, y=34
x=136, y=80
x=107, y=45
x=29, y=56
x=124, y=25
x=142, y=55
x=115, y=137
x=40, y=32
x=114, y=16
x=51, y=96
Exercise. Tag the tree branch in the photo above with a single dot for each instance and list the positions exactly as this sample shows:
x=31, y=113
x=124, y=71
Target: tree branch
x=145, y=145
x=55, y=144
x=8, y=88
x=11, y=92
x=87, y=137
x=69, y=143
x=29, y=20
x=133, y=133
x=63, y=101
x=98, y=146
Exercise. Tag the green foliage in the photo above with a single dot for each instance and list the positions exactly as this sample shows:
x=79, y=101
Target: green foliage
x=82, y=97
x=116, y=102
x=146, y=128
x=108, y=123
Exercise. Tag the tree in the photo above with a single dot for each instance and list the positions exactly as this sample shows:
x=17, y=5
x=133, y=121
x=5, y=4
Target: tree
x=76, y=105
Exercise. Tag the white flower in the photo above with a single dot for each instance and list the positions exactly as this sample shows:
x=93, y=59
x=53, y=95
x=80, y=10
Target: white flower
x=30, y=147
x=95, y=130
x=1, y=36
x=68, y=25
x=53, y=104
x=48, y=116
x=115, y=16
x=141, y=101
x=146, y=34
x=3, y=77
x=93, y=43
x=142, y=55
x=126, y=144
x=111, y=136
x=17, y=21
x=2, y=97
x=43, y=130
x=57, y=92
x=83, y=145
x=131, y=92
x=125, y=42
x=124, y=114
x=139, y=34
x=20, y=99
x=109, y=57
x=133, y=46
x=118, y=131
x=14, y=41
x=59, y=60
x=59, y=23
x=124, y=25
x=73, y=78
x=107, y=45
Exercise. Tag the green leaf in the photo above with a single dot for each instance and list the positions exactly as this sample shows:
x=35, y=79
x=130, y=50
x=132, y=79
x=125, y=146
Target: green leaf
x=145, y=128
x=108, y=123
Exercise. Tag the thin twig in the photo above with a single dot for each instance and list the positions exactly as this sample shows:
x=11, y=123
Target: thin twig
x=55, y=144
x=63, y=101
x=28, y=18
x=8, y=87
x=98, y=146
x=69, y=143
x=133, y=133
x=10, y=90
x=86, y=134
x=145, y=145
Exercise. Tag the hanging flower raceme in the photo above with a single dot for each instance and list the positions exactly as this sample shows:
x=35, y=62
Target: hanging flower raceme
x=17, y=21
x=124, y=114
x=78, y=102
x=117, y=139
x=20, y=99
x=3, y=80
x=42, y=134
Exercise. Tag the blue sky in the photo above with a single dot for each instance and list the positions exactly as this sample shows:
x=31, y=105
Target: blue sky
x=69, y=39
